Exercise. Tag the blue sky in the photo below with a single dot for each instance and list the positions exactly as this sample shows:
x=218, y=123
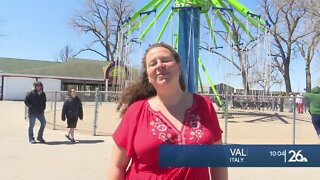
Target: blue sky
x=36, y=29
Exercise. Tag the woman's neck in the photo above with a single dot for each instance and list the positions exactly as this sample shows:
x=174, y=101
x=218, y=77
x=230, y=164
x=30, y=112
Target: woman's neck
x=171, y=98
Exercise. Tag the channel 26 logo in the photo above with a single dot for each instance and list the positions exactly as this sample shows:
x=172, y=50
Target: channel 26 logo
x=296, y=156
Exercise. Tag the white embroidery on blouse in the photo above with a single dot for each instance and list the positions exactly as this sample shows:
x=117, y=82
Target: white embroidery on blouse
x=196, y=128
x=171, y=135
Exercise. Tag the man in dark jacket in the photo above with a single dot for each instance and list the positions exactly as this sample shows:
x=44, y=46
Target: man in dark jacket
x=36, y=102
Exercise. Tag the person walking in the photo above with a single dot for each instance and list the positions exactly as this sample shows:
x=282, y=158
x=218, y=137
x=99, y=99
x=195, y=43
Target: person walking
x=299, y=102
x=275, y=104
x=314, y=99
x=35, y=100
x=72, y=110
x=281, y=103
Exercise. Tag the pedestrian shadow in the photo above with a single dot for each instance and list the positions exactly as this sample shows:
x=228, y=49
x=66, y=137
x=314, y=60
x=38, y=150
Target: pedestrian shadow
x=77, y=142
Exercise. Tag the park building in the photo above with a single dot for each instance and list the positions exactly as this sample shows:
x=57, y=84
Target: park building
x=17, y=76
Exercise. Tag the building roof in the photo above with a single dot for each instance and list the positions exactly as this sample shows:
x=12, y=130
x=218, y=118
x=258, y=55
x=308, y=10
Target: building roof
x=73, y=68
x=8, y=65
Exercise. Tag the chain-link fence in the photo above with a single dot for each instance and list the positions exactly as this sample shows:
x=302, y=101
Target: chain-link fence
x=244, y=119
x=265, y=119
x=99, y=111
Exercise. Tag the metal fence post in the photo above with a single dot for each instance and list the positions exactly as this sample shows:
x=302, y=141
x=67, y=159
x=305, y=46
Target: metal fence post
x=55, y=110
x=225, y=114
x=294, y=121
x=106, y=91
x=97, y=94
x=25, y=112
x=51, y=101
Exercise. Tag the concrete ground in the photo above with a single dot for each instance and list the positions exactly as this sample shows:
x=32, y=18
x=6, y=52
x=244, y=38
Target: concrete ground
x=89, y=157
x=57, y=159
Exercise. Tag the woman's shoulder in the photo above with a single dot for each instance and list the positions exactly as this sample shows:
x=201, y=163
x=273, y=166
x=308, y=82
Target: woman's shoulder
x=135, y=110
x=137, y=104
x=203, y=103
x=202, y=99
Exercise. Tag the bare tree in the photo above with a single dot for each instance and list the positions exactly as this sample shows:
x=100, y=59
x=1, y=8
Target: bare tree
x=66, y=53
x=240, y=46
x=307, y=50
x=267, y=79
x=308, y=45
x=286, y=18
x=103, y=20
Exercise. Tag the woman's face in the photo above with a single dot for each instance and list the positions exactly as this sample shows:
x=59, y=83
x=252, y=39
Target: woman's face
x=162, y=68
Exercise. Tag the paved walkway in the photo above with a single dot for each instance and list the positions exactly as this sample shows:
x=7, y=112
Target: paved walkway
x=58, y=159
x=88, y=159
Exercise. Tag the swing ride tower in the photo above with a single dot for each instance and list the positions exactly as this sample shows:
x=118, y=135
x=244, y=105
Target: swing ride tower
x=187, y=39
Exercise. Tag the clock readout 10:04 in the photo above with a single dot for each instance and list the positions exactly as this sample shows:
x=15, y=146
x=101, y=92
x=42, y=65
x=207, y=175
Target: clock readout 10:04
x=293, y=155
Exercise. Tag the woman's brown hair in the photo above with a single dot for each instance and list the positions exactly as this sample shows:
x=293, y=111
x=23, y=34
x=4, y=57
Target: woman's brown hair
x=142, y=88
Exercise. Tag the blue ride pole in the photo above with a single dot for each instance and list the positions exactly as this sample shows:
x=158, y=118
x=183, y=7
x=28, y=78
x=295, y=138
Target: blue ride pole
x=188, y=45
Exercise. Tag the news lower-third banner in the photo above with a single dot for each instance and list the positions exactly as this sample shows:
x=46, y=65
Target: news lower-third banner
x=239, y=155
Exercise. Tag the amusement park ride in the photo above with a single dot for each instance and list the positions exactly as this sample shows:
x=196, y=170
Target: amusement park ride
x=186, y=39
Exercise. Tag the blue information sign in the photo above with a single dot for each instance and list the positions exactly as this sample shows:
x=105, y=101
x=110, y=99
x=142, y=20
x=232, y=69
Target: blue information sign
x=240, y=155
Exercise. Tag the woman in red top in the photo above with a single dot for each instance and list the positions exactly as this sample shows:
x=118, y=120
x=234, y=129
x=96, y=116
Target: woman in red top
x=156, y=110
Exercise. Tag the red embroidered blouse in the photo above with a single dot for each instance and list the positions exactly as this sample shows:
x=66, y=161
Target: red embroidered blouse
x=143, y=129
